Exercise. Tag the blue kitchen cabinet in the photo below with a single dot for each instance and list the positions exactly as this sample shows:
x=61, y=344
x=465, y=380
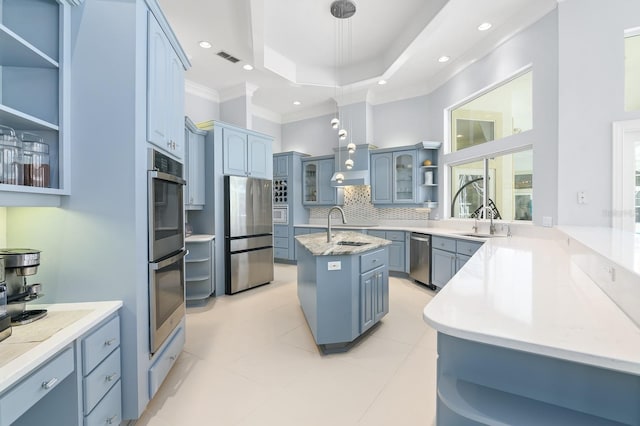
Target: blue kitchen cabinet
x=246, y=154
x=374, y=297
x=280, y=166
x=281, y=246
x=165, y=92
x=393, y=177
x=194, y=195
x=316, y=182
x=35, y=64
x=397, y=249
x=448, y=256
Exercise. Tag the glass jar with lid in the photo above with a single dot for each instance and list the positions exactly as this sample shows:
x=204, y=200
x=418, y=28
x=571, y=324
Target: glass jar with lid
x=10, y=157
x=35, y=160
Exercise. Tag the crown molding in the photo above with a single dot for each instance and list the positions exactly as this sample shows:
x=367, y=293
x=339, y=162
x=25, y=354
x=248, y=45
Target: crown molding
x=266, y=114
x=201, y=91
x=237, y=91
x=314, y=112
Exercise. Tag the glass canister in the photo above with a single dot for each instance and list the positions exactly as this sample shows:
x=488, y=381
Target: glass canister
x=10, y=157
x=35, y=160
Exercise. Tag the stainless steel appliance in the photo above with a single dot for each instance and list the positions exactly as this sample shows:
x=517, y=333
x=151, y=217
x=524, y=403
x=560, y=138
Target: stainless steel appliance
x=19, y=264
x=281, y=214
x=5, y=319
x=248, y=231
x=166, y=247
x=420, y=258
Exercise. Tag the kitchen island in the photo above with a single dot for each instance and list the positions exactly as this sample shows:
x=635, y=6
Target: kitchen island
x=343, y=285
x=526, y=335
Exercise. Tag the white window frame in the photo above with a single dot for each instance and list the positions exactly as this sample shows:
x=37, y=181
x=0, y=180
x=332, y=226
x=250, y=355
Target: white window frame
x=506, y=145
x=625, y=133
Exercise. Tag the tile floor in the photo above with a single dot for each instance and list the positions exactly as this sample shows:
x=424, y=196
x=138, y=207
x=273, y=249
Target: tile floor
x=250, y=360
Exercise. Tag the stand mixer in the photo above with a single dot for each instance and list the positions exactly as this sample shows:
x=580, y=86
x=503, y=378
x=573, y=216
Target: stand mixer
x=18, y=265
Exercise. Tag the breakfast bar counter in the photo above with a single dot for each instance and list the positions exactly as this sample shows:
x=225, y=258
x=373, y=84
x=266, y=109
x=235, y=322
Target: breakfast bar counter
x=527, y=336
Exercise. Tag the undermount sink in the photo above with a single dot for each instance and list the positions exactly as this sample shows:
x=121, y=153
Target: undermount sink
x=351, y=243
x=482, y=235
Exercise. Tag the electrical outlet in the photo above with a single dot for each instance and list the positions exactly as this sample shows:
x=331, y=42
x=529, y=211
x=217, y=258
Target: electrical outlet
x=582, y=197
x=334, y=266
x=547, y=221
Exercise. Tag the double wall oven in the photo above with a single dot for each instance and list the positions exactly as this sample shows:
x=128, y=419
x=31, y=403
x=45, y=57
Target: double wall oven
x=166, y=247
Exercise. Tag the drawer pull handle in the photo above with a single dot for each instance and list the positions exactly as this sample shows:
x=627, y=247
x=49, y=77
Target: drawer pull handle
x=109, y=342
x=172, y=358
x=111, y=376
x=51, y=383
x=111, y=419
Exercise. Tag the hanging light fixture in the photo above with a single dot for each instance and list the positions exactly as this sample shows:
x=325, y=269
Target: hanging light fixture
x=342, y=10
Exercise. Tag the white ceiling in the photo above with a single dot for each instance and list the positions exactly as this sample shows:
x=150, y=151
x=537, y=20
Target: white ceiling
x=298, y=55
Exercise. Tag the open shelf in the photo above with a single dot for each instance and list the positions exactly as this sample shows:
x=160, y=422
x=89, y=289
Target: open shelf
x=17, y=52
x=21, y=121
x=486, y=405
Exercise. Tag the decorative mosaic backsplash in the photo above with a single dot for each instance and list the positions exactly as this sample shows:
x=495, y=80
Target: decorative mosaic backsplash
x=359, y=210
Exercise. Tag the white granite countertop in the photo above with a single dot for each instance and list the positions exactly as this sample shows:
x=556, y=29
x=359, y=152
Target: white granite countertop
x=317, y=243
x=527, y=294
x=32, y=344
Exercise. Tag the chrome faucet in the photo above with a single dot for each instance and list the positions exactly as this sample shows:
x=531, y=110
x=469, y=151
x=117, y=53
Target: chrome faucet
x=344, y=221
x=492, y=227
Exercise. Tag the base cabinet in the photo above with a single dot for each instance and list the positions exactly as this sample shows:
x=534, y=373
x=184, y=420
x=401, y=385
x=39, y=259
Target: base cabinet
x=199, y=267
x=397, y=250
x=448, y=256
x=374, y=297
x=165, y=360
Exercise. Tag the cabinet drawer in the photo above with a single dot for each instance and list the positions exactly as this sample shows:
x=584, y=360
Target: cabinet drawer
x=379, y=234
x=468, y=247
x=165, y=361
x=395, y=235
x=300, y=231
x=280, y=242
x=101, y=380
x=99, y=344
x=30, y=390
x=369, y=261
x=108, y=411
x=280, y=231
x=281, y=253
x=443, y=243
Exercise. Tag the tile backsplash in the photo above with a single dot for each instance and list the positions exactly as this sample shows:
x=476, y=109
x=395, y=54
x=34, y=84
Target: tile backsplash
x=359, y=210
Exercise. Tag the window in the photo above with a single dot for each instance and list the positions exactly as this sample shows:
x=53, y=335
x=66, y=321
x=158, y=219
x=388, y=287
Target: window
x=632, y=70
x=503, y=111
x=502, y=184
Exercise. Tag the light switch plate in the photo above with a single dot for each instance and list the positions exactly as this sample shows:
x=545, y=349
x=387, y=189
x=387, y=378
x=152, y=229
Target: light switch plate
x=334, y=266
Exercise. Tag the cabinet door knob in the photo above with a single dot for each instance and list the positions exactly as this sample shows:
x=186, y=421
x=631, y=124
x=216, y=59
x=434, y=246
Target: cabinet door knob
x=49, y=384
x=111, y=376
x=110, y=342
x=111, y=419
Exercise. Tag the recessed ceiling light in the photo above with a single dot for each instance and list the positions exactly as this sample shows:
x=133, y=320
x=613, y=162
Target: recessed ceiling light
x=443, y=58
x=297, y=102
x=205, y=44
x=247, y=67
x=382, y=82
x=484, y=26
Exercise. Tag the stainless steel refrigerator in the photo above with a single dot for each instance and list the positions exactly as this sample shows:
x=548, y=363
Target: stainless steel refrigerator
x=248, y=233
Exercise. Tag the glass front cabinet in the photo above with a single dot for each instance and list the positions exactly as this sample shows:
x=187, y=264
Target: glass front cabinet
x=404, y=182
x=310, y=182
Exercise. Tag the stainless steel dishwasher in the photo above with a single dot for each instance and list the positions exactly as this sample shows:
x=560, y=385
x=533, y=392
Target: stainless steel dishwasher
x=420, y=258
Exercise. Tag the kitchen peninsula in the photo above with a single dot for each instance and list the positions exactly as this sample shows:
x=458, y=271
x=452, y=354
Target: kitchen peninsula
x=530, y=332
x=343, y=285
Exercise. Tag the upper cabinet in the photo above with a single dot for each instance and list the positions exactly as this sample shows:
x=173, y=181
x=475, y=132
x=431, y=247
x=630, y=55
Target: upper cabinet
x=246, y=154
x=405, y=175
x=165, y=92
x=316, y=182
x=34, y=99
x=195, y=166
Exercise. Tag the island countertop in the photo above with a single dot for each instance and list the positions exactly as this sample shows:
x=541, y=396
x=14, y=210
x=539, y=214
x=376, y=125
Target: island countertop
x=317, y=243
x=527, y=294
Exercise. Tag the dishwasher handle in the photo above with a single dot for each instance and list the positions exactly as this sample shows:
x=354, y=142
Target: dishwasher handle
x=417, y=238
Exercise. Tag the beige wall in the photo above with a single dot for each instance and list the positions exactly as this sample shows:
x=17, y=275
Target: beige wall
x=3, y=226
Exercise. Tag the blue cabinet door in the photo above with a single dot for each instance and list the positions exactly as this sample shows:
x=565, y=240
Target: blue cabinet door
x=461, y=259
x=404, y=177
x=259, y=157
x=157, y=83
x=381, y=179
x=443, y=264
x=367, y=300
x=234, y=148
x=396, y=256
x=280, y=166
x=326, y=192
x=381, y=288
